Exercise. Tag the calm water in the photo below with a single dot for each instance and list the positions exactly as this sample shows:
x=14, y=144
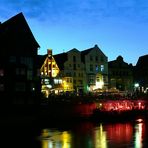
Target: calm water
x=127, y=134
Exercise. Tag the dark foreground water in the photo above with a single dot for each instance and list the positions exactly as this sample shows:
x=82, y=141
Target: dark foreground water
x=86, y=134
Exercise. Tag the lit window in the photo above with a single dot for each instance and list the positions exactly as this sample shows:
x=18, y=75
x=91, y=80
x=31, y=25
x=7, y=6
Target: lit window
x=97, y=68
x=102, y=67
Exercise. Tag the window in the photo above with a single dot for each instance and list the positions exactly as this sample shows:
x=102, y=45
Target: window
x=74, y=58
x=97, y=68
x=96, y=59
x=102, y=59
x=29, y=74
x=91, y=58
x=1, y=87
x=20, y=71
x=20, y=86
x=28, y=61
x=97, y=79
x=74, y=66
x=102, y=68
x=91, y=67
x=80, y=82
x=1, y=72
x=12, y=59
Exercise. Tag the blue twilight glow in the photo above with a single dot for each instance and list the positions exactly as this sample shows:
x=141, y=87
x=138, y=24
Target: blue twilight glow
x=119, y=27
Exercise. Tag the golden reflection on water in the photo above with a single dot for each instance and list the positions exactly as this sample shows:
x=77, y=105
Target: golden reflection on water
x=55, y=139
x=100, y=137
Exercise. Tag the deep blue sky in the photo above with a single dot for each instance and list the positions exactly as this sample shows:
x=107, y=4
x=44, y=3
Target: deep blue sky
x=118, y=27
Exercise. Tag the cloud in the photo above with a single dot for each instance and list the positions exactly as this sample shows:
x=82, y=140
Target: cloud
x=68, y=10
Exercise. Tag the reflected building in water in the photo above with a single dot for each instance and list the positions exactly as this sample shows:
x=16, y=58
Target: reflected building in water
x=88, y=134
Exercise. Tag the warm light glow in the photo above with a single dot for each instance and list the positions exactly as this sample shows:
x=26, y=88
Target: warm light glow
x=99, y=84
x=100, y=137
x=50, y=139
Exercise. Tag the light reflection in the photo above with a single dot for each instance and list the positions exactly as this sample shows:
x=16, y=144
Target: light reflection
x=52, y=139
x=100, y=137
x=138, y=134
x=119, y=132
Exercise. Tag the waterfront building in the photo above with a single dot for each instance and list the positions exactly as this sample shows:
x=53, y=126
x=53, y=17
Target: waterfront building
x=77, y=71
x=141, y=74
x=19, y=79
x=96, y=69
x=120, y=75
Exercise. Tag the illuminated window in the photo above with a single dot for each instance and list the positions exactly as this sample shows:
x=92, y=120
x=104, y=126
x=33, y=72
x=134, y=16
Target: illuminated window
x=97, y=68
x=46, y=81
x=102, y=67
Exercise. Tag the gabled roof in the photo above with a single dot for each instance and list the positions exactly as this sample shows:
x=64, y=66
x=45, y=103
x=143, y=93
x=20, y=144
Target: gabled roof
x=60, y=60
x=40, y=60
x=119, y=60
x=142, y=61
x=87, y=51
x=16, y=32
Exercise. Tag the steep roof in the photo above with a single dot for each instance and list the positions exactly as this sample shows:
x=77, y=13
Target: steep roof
x=40, y=60
x=87, y=51
x=142, y=61
x=119, y=61
x=60, y=60
x=16, y=33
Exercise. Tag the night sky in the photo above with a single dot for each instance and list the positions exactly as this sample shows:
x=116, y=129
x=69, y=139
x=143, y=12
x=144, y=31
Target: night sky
x=118, y=27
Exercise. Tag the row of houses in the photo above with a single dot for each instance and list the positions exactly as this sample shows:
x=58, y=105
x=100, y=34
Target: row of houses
x=24, y=74
x=90, y=71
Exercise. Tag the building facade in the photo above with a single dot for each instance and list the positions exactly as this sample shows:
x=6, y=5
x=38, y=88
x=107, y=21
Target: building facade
x=18, y=54
x=78, y=71
x=96, y=69
x=141, y=74
x=120, y=75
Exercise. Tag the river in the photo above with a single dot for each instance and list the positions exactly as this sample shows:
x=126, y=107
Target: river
x=84, y=134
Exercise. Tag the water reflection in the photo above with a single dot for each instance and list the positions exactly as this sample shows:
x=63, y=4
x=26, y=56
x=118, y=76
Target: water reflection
x=55, y=139
x=100, y=137
x=139, y=133
x=96, y=135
